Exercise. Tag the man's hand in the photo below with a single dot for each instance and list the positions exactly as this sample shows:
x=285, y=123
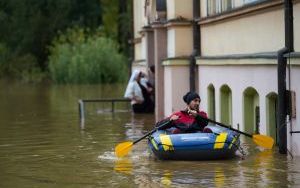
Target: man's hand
x=174, y=118
x=192, y=112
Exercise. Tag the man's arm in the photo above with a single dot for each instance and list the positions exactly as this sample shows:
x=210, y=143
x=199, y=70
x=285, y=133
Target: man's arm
x=161, y=122
x=201, y=119
x=170, y=121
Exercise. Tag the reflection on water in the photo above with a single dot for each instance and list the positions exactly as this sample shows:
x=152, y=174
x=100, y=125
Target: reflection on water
x=123, y=166
x=166, y=179
x=42, y=145
x=219, y=177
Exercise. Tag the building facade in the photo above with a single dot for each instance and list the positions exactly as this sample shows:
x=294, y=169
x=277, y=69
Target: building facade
x=229, y=50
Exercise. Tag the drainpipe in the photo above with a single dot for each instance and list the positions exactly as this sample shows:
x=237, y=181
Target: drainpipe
x=282, y=105
x=289, y=25
x=196, y=44
x=282, y=110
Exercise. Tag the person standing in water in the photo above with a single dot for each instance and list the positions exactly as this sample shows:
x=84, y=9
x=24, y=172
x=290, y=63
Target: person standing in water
x=138, y=92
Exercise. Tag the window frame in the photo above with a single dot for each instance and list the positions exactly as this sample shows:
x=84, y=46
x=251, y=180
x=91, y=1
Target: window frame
x=214, y=7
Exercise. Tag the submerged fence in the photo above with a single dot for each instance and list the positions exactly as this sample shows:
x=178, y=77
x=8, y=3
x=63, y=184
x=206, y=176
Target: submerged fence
x=81, y=103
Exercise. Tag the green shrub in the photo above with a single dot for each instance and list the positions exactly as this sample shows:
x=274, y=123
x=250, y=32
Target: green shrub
x=80, y=57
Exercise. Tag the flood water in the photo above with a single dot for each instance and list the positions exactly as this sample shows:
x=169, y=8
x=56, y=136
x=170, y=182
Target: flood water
x=42, y=144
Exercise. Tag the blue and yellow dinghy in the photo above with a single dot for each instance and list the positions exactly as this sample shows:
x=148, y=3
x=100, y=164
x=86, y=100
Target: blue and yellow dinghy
x=221, y=144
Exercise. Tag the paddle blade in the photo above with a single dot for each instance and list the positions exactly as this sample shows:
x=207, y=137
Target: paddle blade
x=263, y=141
x=123, y=149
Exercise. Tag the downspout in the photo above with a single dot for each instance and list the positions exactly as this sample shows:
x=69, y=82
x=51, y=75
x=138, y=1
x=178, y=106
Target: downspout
x=282, y=106
x=196, y=44
x=282, y=110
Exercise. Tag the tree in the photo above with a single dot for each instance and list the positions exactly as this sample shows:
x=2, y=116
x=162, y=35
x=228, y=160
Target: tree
x=29, y=26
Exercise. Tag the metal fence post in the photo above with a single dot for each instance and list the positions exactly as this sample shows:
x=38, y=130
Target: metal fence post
x=81, y=111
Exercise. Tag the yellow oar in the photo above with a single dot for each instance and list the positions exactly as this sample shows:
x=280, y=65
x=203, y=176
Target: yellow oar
x=261, y=140
x=124, y=148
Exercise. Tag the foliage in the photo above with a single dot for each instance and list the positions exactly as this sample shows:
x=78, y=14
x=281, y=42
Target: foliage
x=81, y=57
x=117, y=22
x=23, y=67
x=28, y=27
x=110, y=18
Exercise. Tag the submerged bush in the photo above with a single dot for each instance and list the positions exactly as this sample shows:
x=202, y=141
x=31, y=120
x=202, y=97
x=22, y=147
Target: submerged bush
x=78, y=57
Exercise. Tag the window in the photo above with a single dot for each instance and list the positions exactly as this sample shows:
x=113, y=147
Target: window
x=218, y=6
x=161, y=5
x=226, y=105
x=211, y=7
x=249, y=1
x=211, y=102
x=251, y=110
x=226, y=5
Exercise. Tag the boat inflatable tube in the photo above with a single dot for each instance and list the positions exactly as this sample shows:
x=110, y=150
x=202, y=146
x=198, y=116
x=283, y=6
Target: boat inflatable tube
x=222, y=143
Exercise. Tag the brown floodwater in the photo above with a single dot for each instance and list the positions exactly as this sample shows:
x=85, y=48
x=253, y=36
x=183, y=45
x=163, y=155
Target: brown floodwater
x=42, y=144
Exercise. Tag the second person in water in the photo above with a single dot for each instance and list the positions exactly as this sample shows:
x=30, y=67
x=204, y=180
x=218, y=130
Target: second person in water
x=139, y=91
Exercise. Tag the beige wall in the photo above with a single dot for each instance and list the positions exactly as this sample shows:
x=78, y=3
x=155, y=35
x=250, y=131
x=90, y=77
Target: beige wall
x=259, y=77
x=259, y=38
x=180, y=41
x=139, y=16
x=140, y=66
x=293, y=141
x=138, y=51
x=253, y=34
x=203, y=9
x=176, y=85
x=176, y=8
x=143, y=47
x=139, y=22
